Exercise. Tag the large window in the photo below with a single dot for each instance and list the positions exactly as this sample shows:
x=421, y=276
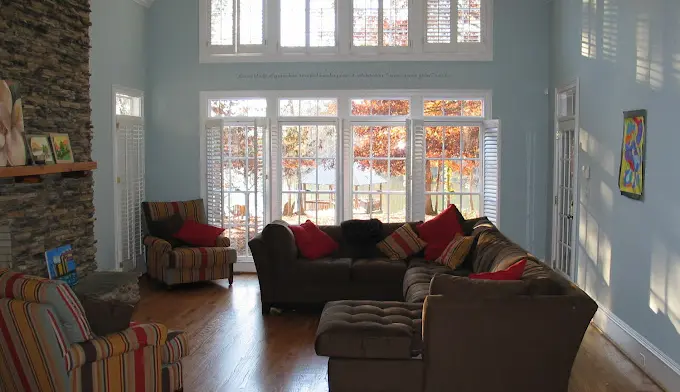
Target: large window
x=347, y=30
x=329, y=157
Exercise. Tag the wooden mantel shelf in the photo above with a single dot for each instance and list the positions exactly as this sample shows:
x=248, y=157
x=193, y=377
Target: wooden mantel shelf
x=40, y=170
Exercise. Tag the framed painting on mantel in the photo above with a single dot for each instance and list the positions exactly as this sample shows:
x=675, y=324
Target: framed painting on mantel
x=632, y=169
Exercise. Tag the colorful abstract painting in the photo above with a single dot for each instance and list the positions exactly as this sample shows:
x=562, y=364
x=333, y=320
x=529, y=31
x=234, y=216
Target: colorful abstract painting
x=632, y=170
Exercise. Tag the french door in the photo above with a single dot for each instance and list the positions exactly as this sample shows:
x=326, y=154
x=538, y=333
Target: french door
x=235, y=177
x=564, y=183
x=130, y=192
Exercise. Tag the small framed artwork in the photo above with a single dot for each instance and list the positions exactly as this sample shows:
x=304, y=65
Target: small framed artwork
x=62, y=148
x=40, y=149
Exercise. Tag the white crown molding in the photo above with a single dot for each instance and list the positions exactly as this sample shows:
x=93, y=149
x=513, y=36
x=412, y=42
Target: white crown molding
x=145, y=3
x=641, y=351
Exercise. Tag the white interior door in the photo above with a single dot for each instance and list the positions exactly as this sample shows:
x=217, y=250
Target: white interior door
x=565, y=183
x=129, y=181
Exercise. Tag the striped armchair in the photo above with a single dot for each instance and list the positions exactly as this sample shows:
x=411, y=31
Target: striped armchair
x=185, y=264
x=46, y=345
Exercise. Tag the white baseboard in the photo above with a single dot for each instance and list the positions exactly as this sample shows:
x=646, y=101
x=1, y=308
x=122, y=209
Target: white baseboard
x=245, y=266
x=656, y=364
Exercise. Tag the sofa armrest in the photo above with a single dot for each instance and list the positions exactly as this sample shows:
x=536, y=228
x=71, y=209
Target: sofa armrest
x=223, y=241
x=132, y=339
x=272, y=250
x=494, y=343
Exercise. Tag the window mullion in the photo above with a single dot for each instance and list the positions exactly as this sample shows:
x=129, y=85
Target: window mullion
x=344, y=28
x=307, y=25
x=416, y=25
x=235, y=25
x=272, y=31
x=380, y=23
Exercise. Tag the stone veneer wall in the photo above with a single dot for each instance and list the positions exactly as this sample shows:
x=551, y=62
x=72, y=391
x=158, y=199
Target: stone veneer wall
x=45, y=46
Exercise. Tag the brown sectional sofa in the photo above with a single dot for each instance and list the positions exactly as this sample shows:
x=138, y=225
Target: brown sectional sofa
x=414, y=325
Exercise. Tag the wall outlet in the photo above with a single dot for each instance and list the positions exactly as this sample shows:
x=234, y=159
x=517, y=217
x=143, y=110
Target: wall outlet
x=643, y=360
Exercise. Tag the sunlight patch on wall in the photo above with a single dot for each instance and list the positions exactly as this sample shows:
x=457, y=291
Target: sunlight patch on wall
x=592, y=238
x=649, y=62
x=664, y=297
x=610, y=30
x=589, y=28
x=607, y=196
x=604, y=257
x=605, y=157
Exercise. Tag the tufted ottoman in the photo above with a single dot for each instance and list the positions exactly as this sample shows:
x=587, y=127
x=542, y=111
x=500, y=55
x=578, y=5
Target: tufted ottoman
x=372, y=345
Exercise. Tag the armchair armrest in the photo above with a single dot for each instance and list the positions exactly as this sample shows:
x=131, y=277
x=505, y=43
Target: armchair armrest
x=157, y=245
x=132, y=339
x=223, y=241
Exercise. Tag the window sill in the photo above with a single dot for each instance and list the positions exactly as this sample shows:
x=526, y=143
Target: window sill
x=207, y=58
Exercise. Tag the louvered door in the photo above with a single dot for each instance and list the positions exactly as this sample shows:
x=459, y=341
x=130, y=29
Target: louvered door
x=491, y=156
x=130, y=190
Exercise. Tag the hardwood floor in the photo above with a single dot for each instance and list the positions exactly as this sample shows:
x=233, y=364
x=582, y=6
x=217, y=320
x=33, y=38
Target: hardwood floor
x=235, y=348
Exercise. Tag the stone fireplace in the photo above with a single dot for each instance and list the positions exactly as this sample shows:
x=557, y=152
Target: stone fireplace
x=45, y=47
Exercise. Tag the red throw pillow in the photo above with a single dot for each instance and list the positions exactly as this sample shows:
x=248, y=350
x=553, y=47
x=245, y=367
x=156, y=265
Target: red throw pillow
x=439, y=231
x=198, y=234
x=514, y=272
x=312, y=242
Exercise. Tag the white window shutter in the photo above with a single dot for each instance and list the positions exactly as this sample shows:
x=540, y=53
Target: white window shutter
x=276, y=172
x=214, y=173
x=491, y=150
x=131, y=188
x=346, y=160
x=439, y=21
x=416, y=129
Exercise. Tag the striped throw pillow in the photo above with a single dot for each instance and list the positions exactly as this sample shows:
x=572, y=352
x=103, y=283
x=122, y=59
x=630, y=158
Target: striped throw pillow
x=456, y=251
x=401, y=244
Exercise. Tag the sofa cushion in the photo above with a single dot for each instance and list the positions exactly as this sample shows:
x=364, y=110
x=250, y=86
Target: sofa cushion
x=422, y=272
x=320, y=271
x=378, y=270
x=440, y=230
x=417, y=293
x=514, y=272
x=417, y=278
x=456, y=251
x=370, y=329
x=495, y=252
x=401, y=244
x=312, y=242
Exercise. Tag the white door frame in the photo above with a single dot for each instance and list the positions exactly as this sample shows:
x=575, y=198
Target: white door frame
x=116, y=89
x=574, y=85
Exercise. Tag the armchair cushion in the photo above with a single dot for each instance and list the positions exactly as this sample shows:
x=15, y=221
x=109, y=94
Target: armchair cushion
x=165, y=229
x=188, y=209
x=188, y=258
x=55, y=293
x=136, y=337
x=198, y=234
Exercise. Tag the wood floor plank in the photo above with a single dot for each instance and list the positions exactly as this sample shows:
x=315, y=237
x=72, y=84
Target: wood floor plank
x=235, y=348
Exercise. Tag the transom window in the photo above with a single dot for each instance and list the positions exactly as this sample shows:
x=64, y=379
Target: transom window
x=335, y=156
x=347, y=30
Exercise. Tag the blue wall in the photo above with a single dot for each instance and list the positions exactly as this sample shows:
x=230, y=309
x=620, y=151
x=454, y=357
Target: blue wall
x=118, y=57
x=518, y=77
x=629, y=252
